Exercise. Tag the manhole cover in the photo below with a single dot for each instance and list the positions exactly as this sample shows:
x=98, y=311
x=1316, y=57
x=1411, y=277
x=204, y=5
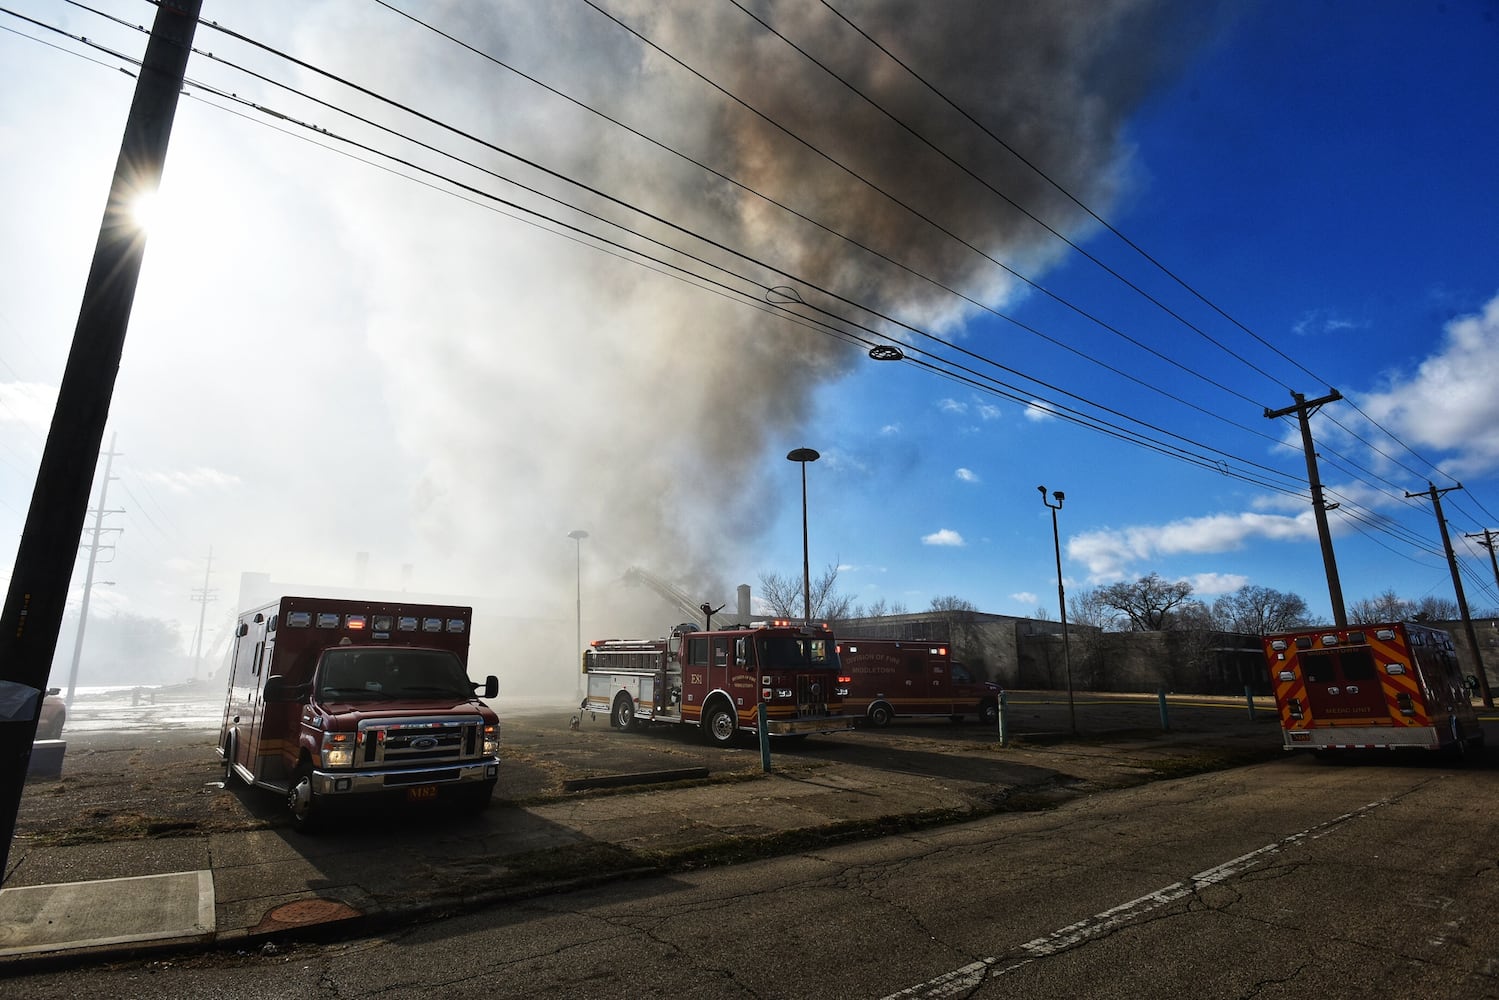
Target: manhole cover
x=305, y=912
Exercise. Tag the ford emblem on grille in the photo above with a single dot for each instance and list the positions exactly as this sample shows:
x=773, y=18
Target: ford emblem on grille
x=424, y=743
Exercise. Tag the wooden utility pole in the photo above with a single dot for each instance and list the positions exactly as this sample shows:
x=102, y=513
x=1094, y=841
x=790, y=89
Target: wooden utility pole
x=33, y=609
x=1303, y=410
x=1457, y=586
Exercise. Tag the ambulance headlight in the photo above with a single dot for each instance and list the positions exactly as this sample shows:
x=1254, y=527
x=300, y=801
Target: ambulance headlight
x=338, y=750
x=491, y=741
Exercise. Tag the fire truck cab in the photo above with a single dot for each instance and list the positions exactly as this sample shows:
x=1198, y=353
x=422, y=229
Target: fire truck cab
x=335, y=701
x=1386, y=686
x=717, y=680
x=916, y=678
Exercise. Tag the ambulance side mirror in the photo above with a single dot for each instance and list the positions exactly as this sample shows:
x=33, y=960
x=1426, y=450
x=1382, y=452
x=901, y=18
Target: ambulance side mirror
x=278, y=689
x=491, y=686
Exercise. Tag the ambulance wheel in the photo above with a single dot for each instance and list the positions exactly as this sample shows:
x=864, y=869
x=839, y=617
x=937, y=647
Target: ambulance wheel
x=476, y=799
x=880, y=715
x=623, y=716
x=721, y=725
x=228, y=749
x=302, y=801
x=989, y=714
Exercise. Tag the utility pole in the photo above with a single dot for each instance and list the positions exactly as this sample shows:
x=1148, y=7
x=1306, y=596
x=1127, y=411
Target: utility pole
x=1488, y=537
x=93, y=559
x=203, y=596
x=1457, y=586
x=32, y=614
x=1303, y=410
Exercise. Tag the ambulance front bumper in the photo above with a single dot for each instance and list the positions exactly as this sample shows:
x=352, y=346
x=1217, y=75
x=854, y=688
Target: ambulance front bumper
x=368, y=782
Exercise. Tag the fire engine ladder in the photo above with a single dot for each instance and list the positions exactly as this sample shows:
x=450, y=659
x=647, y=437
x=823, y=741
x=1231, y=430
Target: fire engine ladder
x=677, y=598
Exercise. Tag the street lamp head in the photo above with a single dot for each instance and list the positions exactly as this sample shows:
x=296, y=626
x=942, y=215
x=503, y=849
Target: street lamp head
x=580, y=534
x=803, y=455
x=886, y=352
x=1042, y=491
x=1060, y=496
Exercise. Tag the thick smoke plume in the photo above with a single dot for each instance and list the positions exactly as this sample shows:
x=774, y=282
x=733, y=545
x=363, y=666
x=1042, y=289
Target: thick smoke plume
x=535, y=385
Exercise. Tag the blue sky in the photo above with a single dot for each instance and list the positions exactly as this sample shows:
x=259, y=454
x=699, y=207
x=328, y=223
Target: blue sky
x=331, y=357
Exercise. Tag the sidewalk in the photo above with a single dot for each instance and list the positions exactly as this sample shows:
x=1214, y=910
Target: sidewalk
x=237, y=888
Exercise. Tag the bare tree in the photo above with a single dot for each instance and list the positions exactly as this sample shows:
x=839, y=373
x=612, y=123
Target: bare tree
x=879, y=609
x=1389, y=607
x=784, y=596
x=948, y=602
x=1255, y=610
x=1151, y=603
x=1436, y=609
x=1087, y=607
x=1385, y=607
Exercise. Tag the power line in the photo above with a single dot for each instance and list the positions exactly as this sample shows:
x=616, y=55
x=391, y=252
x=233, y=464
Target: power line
x=632, y=251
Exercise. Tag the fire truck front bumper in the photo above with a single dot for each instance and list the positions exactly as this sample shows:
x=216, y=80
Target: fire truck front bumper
x=370, y=782
x=803, y=727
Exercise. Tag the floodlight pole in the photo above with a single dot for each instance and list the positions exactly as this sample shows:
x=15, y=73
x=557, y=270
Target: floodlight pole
x=578, y=537
x=1056, y=541
x=803, y=456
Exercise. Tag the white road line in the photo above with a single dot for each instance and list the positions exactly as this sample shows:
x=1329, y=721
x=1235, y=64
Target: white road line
x=964, y=979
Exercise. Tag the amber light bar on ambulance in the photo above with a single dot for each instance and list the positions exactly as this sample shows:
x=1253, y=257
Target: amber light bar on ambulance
x=376, y=623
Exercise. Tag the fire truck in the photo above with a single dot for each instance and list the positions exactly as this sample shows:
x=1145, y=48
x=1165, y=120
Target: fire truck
x=916, y=678
x=333, y=702
x=716, y=680
x=1388, y=686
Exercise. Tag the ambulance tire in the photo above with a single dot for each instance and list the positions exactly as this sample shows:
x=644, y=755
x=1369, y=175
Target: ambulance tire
x=302, y=802
x=720, y=724
x=476, y=799
x=231, y=741
x=880, y=715
x=989, y=714
x=622, y=717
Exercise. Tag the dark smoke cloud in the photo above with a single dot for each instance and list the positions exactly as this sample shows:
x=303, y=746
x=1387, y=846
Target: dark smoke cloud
x=543, y=387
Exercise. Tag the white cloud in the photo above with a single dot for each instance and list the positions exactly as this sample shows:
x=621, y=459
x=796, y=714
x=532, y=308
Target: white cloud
x=890, y=430
x=946, y=537
x=1025, y=597
x=967, y=475
x=1109, y=553
x=1450, y=402
x=988, y=411
x=1213, y=584
x=1319, y=321
x=1037, y=411
x=950, y=405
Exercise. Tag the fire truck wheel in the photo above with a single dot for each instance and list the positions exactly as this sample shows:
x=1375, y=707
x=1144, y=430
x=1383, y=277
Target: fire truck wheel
x=623, y=716
x=302, y=802
x=880, y=715
x=721, y=725
x=989, y=713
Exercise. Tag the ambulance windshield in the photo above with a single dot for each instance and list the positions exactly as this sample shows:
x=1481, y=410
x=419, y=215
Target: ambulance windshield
x=379, y=674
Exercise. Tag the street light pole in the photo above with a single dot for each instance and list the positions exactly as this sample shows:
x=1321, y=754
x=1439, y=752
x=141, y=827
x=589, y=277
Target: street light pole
x=578, y=536
x=1056, y=541
x=803, y=456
